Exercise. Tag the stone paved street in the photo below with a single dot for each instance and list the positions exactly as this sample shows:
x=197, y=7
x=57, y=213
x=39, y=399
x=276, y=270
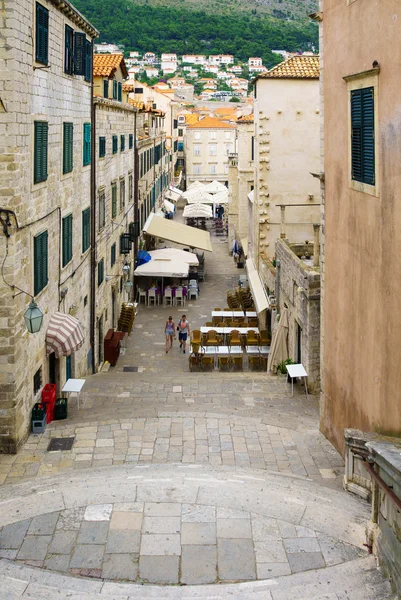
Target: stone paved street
x=178, y=477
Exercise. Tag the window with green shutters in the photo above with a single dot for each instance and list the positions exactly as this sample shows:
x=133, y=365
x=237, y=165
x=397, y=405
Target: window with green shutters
x=86, y=233
x=79, y=53
x=106, y=88
x=122, y=143
x=40, y=152
x=87, y=144
x=119, y=91
x=88, y=61
x=67, y=240
x=68, y=131
x=113, y=200
x=115, y=92
x=102, y=209
x=131, y=141
x=102, y=147
x=40, y=275
x=69, y=50
x=115, y=144
x=363, y=135
x=42, y=35
x=122, y=194
x=100, y=271
x=113, y=254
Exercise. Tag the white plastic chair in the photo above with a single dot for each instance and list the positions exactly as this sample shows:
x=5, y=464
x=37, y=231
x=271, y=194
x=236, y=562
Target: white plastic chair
x=179, y=297
x=141, y=294
x=193, y=292
x=152, y=296
x=168, y=296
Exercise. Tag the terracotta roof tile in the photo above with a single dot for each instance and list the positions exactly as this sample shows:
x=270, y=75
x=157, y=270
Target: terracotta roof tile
x=191, y=119
x=211, y=123
x=245, y=118
x=296, y=67
x=105, y=65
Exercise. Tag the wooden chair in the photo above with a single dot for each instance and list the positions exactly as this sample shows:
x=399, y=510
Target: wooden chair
x=215, y=321
x=234, y=338
x=254, y=362
x=233, y=323
x=207, y=363
x=252, y=339
x=210, y=324
x=264, y=338
x=263, y=362
x=212, y=339
x=224, y=363
x=252, y=322
x=196, y=337
x=217, y=309
x=221, y=324
x=237, y=363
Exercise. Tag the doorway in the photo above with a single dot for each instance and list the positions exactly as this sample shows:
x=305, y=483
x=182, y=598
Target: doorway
x=298, y=350
x=100, y=340
x=54, y=370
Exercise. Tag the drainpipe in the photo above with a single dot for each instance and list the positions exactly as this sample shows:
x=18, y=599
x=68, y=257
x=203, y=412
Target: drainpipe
x=93, y=227
x=136, y=194
x=316, y=244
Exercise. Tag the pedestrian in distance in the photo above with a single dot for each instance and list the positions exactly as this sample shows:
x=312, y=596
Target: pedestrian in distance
x=169, y=331
x=183, y=332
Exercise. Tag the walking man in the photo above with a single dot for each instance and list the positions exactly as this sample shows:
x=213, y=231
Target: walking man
x=183, y=332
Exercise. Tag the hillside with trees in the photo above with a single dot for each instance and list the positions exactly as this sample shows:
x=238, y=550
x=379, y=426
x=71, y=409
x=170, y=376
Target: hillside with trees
x=165, y=28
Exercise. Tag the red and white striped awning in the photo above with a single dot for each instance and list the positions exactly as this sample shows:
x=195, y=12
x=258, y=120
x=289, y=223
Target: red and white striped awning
x=64, y=335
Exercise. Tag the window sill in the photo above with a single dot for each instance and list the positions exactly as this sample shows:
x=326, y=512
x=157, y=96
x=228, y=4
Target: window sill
x=40, y=185
x=364, y=188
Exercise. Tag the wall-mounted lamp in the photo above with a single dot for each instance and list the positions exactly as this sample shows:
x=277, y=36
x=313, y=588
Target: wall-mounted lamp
x=33, y=317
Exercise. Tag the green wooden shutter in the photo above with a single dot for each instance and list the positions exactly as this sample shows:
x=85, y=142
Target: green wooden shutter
x=105, y=88
x=40, y=263
x=363, y=136
x=67, y=240
x=40, y=151
x=79, y=53
x=119, y=91
x=85, y=229
x=102, y=147
x=100, y=271
x=122, y=143
x=68, y=133
x=113, y=201
x=113, y=254
x=88, y=61
x=42, y=34
x=131, y=141
x=115, y=92
x=69, y=50
x=87, y=144
x=115, y=144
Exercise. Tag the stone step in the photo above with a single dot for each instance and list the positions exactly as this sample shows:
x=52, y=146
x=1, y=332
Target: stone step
x=355, y=580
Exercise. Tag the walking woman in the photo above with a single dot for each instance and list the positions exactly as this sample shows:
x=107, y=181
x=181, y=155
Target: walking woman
x=183, y=332
x=169, y=331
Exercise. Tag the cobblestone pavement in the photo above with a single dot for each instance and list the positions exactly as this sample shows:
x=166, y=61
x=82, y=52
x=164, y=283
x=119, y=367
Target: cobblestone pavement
x=183, y=478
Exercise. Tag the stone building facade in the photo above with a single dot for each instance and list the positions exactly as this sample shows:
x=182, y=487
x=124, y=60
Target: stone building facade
x=287, y=151
x=207, y=146
x=45, y=120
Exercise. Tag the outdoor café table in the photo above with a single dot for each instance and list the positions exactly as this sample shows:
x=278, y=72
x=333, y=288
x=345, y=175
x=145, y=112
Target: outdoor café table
x=225, y=330
x=251, y=313
x=264, y=349
x=297, y=371
x=252, y=350
x=73, y=386
x=232, y=314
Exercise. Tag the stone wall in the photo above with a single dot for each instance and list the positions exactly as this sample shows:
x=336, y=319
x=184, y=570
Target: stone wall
x=31, y=93
x=299, y=290
x=383, y=532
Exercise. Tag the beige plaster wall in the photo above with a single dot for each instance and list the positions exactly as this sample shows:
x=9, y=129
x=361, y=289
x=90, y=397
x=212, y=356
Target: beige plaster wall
x=224, y=141
x=362, y=320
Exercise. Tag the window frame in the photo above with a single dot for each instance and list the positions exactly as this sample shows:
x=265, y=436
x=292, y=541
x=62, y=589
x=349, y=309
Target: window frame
x=67, y=243
x=86, y=237
x=42, y=126
x=102, y=208
x=113, y=254
x=68, y=50
x=41, y=30
x=102, y=146
x=68, y=153
x=100, y=272
x=114, y=200
x=122, y=142
x=357, y=81
x=115, y=144
x=40, y=277
x=87, y=144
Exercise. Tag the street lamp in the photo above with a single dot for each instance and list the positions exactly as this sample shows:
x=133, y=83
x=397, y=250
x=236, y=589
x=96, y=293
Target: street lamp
x=33, y=317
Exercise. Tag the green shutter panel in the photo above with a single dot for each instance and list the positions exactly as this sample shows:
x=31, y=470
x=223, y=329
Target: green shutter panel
x=87, y=144
x=113, y=201
x=368, y=136
x=85, y=229
x=356, y=135
x=115, y=93
x=40, y=151
x=68, y=134
x=69, y=237
x=79, y=53
x=40, y=262
x=119, y=91
x=69, y=50
x=88, y=61
x=106, y=88
x=42, y=34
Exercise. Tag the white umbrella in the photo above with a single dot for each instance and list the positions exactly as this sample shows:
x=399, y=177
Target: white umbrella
x=214, y=187
x=201, y=198
x=279, y=345
x=197, y=210
x=174, y=254
x=221, y=197
x=195, y=184
x=196, y=192
x=163, y=268
x=169, y=206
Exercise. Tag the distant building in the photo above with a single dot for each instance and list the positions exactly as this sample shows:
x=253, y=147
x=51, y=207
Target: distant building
x=104, y=48
x=254, y=62
x=194, y=59
x=149, y=57
x=151, y=72
x=221, y=59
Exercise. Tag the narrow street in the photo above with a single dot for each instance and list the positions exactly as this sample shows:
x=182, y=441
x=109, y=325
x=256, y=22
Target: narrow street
x=215, y=485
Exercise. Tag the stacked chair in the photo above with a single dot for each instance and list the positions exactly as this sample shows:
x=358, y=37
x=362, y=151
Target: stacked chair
x=127, y=317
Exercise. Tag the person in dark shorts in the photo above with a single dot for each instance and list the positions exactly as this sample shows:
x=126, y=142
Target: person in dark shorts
x=183, y=332
x=169, y=331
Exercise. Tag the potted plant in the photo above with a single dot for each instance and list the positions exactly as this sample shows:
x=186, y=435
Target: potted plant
x=282, y=367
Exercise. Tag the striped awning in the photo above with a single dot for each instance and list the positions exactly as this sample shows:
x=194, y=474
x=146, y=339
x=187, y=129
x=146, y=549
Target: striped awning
x=64, y=335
